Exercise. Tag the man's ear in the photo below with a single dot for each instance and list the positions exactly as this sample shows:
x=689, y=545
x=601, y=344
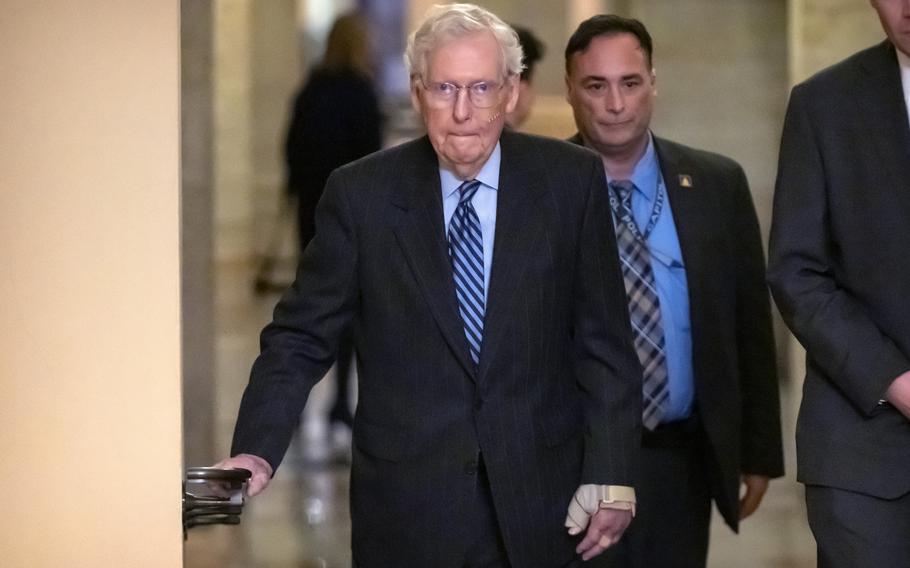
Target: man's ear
x=415, y=97
x=512, y=101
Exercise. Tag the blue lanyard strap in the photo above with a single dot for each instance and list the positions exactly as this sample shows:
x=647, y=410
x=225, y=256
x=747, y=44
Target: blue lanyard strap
x=626, y=218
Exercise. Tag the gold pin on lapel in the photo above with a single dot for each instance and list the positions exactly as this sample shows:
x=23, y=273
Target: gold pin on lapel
x=685, y=180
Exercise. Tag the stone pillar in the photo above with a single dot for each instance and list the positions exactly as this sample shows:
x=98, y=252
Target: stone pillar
x=274, y=76
x=232, y=92
x=722, y=81
x=823, y=32
x=196, y=238
x=256, y=69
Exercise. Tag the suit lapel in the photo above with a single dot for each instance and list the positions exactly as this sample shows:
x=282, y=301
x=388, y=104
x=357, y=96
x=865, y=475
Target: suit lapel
x=880, y=98
x=517, y=222
x=421, y=235
x=692, y=217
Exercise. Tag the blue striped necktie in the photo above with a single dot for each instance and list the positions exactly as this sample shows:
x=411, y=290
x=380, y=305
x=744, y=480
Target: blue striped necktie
x=466, y=253
x=644, y=306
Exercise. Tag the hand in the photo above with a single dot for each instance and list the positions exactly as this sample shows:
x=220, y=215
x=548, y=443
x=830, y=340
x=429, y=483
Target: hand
x=755, y=485
x=261, y=470
x=899, y=394
x=604, y=530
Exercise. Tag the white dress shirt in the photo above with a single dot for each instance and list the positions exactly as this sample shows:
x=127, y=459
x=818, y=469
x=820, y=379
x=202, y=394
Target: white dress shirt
x=904, y=61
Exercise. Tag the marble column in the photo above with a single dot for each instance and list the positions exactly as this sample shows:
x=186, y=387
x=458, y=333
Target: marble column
x=275, y=74
x=232, y=93
x=823, y=32
x=197, y=238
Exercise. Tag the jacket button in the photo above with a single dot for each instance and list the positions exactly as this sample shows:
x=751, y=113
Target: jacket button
x=470, y=467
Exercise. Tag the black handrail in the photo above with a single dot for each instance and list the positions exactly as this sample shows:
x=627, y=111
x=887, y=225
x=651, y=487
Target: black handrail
x=213, y=496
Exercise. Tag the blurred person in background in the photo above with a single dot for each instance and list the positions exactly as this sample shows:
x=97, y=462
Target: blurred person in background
x=336, y=120
x=534, y=50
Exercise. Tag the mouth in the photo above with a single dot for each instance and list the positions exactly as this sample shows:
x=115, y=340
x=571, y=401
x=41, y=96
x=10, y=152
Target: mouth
x=616, y=124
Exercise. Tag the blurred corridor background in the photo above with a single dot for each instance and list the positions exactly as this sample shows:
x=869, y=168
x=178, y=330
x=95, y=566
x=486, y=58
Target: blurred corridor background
x=724, y=71
x=142, y=192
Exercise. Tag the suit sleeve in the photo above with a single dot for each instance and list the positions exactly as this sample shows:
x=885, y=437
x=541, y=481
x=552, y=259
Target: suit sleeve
x=301, y=342
x=607, y=367
x=762, y=451
x=832, y=325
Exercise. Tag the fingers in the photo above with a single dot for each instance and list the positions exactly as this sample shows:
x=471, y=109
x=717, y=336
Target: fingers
x=592, y=544
x=748, y=505
x=219, y=488
x=583, y=504
x=603, y=543
x=259, y=468
x=605, y=529
x=577, y=518
x=756, y=486
x=257, y=483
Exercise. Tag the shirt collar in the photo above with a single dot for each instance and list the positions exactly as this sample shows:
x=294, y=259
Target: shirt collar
x=488, y=175
x=904, y=60
x=646, y=174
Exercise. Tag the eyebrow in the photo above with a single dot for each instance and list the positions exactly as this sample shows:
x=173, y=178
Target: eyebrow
x=606, y=80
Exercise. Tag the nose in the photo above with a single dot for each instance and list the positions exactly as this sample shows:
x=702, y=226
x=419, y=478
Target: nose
x=614, y=100
x=461, y=109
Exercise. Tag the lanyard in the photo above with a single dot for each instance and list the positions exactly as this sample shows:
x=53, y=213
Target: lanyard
x=626, y=216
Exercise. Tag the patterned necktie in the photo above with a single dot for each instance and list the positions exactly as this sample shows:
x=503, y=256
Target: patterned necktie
x=466, y=252
x=644, y=306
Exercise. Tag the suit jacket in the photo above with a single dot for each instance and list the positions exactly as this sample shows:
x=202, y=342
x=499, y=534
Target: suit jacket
x=839, y=272
x=554, y=402
x=736, y=385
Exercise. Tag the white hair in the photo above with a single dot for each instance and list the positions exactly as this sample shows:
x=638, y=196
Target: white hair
x=447, y=21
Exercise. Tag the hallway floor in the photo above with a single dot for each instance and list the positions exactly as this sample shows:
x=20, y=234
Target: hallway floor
x=301, y=521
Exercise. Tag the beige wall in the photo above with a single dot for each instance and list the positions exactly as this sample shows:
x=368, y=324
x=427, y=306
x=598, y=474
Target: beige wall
x=89, y=286
x=232, y=90
x=197, y=232
x=822, y=32
x=256, y=69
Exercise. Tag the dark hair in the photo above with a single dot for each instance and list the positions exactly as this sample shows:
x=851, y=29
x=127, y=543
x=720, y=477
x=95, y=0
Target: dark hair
x=347, y=46
x=533, y=50
x=608, y=25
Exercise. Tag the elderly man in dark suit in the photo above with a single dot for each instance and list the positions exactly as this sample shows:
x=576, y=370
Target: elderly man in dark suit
x=839, y=272
x=693, y=264
x=498, y=382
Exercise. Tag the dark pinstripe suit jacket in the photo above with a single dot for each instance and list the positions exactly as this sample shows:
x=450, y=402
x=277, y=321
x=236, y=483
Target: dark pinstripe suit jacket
x=554, y=402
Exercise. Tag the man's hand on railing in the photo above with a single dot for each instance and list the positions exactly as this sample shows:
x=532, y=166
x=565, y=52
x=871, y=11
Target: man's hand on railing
x=261, y=470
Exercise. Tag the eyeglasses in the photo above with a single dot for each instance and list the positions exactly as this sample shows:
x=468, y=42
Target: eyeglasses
x=482, y=94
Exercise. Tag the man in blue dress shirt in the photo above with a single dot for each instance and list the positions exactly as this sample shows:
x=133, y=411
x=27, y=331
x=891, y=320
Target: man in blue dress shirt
x=693, y=266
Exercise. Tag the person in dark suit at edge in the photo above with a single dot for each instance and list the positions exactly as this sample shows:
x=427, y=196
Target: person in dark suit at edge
x=336, y=120
x=838, y=270
x=498, y=381
x=692, y=257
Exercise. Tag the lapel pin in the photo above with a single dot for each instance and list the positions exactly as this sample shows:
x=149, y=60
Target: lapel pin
x=685, y=180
